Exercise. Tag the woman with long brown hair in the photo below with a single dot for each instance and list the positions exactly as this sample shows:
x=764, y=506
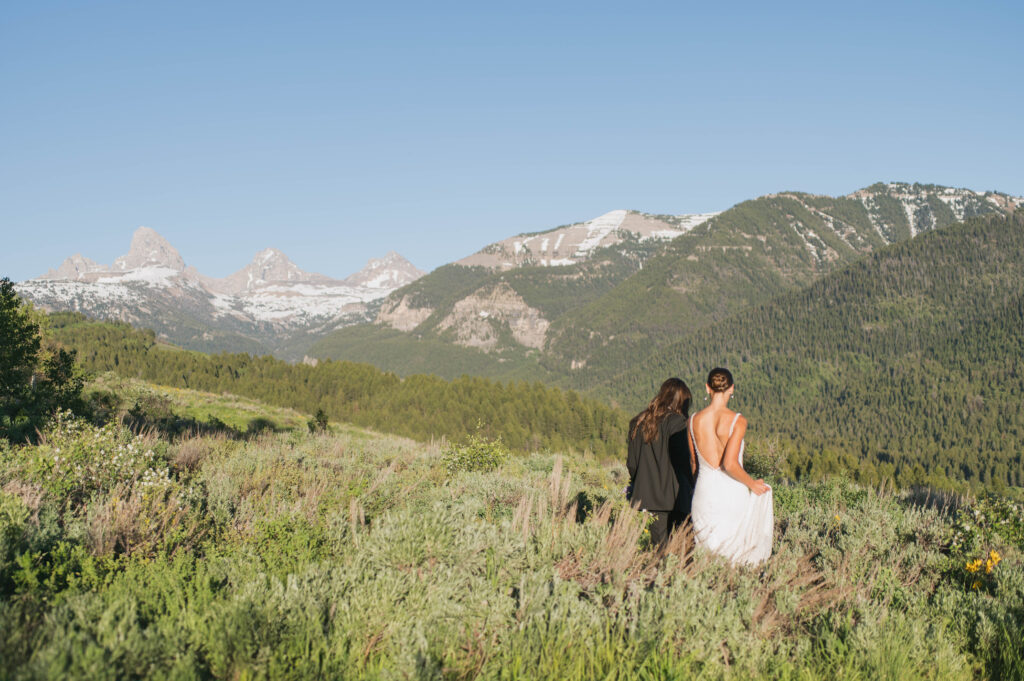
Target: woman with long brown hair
x=661, y=473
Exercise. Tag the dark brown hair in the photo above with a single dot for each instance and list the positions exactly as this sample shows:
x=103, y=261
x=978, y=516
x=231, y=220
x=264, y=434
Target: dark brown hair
x=719, y=380
x=673, y=397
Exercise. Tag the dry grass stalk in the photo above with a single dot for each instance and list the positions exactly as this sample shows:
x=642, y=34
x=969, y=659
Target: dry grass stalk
x=522, y=516
x=190, y=453
x=133, y=520
x=308, y=500
x=815, y=594
x=681, y=544
x=619, y=558
x=382, y=476
x=356, y=518
x=559, y=484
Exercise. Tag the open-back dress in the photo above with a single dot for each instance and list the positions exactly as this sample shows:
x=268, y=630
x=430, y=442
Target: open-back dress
x=729, y=519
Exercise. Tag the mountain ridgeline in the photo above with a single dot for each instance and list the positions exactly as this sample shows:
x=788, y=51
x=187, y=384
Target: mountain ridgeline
x=876, y=334
x=907, y=365
x=268, y=306
x=579, y=322
x=526, y=416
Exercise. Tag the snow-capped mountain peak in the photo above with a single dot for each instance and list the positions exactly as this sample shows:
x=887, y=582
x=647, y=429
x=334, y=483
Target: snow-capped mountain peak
x=269, y=266
x=151, y=286
x=571, y=244
x=390, y=272
x=74, y=268
x=149, y=249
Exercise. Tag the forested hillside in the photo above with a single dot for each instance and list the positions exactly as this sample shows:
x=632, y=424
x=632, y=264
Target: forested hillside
x=579, y=324
x=906, y=366
x=746, y=256
x=527, y=416
x=433, y=335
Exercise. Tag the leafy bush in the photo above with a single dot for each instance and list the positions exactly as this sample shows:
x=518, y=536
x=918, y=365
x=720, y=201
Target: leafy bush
x=259, y=425
x=318, y=424
x=77, y=460
x=977, y=525
x=478, y=453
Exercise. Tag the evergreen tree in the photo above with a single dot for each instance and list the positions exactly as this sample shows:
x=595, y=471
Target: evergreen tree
x=35, y=380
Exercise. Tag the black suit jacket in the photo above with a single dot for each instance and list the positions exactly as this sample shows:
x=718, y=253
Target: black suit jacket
x=659, y=471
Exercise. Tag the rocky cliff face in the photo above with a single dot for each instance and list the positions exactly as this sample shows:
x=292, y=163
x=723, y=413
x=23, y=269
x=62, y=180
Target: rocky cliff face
x=402, y=314
x=269, y=267
x=74, y=268
x=479, y=319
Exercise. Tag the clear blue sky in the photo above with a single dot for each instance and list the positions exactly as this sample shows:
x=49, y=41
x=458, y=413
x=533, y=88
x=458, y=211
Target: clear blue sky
x=339, y=131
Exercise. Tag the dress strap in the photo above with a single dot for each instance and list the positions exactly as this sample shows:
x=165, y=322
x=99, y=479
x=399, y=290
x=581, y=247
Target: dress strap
x=690, y=429
x=734, y=420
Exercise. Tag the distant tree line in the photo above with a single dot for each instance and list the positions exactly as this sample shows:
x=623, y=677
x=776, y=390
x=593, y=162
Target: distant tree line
x=527, y=416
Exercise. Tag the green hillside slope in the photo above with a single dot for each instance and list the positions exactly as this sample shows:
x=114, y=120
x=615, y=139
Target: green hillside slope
x=431, y=348
x=406, y=354
x=906, y=365
x=593, y=319
x=528, y=416
x=745, y=256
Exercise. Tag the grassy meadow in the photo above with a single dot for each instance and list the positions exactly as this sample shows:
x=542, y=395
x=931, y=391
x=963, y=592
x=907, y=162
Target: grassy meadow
x=221, y=411
x=347, y=554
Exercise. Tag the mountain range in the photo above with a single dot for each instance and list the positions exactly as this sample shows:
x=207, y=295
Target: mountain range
x=522, y=308
x=904, y=366
x=574, y=305
x=876, y=333
x=259, y=308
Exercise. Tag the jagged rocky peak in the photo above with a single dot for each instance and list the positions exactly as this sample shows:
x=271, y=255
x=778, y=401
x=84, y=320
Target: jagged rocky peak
x=390, y=272
x=268, y=267
x=149, y=249
x=74, y=268
x=270, y=264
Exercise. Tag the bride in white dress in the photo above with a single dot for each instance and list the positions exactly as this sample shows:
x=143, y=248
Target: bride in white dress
x=732, y=513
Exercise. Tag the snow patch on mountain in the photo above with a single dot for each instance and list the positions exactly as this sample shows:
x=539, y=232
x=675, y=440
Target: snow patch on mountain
x=597, y=229
x=572, y=244
x=270, y=289
x=390, y=272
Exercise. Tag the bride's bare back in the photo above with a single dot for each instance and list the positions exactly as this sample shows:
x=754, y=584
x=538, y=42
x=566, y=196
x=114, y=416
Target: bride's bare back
x=718, y=433
x=711, y=431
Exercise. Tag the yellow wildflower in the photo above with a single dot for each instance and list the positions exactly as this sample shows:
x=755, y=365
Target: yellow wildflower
x=988, y=566
x=994, y=557
x=837, y=518
x=976, y=585
x=974, y=565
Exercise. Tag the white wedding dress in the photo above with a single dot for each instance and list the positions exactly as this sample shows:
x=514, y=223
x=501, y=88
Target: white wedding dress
x=729, y=519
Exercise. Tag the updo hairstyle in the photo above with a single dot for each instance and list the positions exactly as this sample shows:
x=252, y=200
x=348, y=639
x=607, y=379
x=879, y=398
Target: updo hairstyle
x=719, y=380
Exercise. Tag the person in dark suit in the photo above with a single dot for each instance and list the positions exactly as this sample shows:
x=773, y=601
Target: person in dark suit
x=661, y=472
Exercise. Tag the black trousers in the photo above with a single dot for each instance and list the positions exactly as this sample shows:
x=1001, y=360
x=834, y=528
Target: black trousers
x=664, y=523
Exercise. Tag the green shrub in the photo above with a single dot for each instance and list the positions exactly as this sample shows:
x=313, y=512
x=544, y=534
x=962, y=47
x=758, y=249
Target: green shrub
x=318, y=424
x=78, y=460
x=977, y=525
x=478, y=453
